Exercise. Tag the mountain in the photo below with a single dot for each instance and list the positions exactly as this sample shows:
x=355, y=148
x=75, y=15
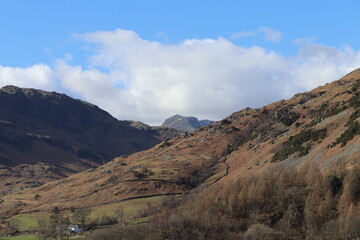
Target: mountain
x=319, y=127
x=185, y=124
x=47, y=135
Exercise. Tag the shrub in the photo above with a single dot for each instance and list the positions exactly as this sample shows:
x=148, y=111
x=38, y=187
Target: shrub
x=348, y=134
x=353, y=116
x=289, y=118
x=295, y=143
x=285, y=116
x=325, y=111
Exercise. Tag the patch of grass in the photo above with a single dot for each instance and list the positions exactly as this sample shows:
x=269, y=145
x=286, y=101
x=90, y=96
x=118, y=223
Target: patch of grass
x=139, y=220
x=25, y=222
x=77, y=237
x=20, y=238
x=28, y=222
x=29, y=237
x=130, y=207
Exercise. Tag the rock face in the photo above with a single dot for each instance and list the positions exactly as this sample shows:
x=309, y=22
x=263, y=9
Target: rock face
x=185, y=124
x=67, y=135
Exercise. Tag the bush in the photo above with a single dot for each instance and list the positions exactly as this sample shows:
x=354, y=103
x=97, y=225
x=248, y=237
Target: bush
x=348, y=134
x=352, y=118
x=289, y=118
x=295, y=144
x=104, y=221
x=285, y=116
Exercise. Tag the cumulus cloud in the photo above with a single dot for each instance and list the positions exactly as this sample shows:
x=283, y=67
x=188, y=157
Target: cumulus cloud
x=205, y=78
x=39, y=76
x=315, y=63
x=137, y=79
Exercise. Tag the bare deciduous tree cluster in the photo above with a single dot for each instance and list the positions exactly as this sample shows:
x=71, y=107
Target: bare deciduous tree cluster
x=302, y=203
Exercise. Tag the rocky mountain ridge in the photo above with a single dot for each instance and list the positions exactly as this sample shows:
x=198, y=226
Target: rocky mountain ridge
x=47, y=135
x=185, y=124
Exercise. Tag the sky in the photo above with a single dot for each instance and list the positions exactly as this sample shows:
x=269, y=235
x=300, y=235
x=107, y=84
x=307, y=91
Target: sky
x=148, y=60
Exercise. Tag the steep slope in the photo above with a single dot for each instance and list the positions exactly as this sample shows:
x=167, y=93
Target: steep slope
x=185, y=124
x=47, y=135
x=320, y=126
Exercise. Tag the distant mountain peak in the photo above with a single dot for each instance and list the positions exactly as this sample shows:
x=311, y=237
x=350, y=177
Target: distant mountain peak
x=185, y=124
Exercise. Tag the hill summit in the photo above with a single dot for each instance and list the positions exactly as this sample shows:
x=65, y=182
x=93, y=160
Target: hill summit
x=185, y=124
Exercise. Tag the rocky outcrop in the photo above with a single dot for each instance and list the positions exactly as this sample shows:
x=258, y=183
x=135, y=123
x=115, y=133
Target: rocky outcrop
x=185, y=124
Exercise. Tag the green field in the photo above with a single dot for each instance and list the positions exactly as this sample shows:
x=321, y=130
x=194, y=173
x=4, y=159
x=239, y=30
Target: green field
x=25, y=222
x=28, y=223
x=31, y=238
x=20, y=238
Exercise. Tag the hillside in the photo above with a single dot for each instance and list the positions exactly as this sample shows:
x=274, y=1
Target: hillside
x=319, y=127
x=47, y=135
x=185, y=124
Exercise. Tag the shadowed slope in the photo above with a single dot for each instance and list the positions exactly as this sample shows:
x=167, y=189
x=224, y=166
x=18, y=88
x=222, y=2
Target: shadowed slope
x=55, y=135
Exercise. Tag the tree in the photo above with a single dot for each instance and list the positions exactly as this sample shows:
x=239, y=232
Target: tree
x=54, y=227
x=44, y=228
x=36, y=197
x=120, y=215
x=260, y=232
x=82, y=216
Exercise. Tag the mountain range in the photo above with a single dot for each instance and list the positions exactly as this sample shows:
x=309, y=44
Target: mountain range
x=319, y=127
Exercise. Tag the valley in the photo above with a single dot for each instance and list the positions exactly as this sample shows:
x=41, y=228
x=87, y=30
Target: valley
x=200, y=176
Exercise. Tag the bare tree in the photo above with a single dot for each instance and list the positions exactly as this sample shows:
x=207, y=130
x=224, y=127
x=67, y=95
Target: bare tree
x=120, y=214
x=54, y=227
x=260, y=232
x=82, y=216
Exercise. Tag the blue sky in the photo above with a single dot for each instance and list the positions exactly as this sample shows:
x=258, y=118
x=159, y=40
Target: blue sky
x=60, y=45
x=41, y=30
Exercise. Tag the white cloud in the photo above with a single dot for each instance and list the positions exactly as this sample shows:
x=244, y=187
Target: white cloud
x=271, y=35
x=207, y=78
x=315, y=63
x=38, y=76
